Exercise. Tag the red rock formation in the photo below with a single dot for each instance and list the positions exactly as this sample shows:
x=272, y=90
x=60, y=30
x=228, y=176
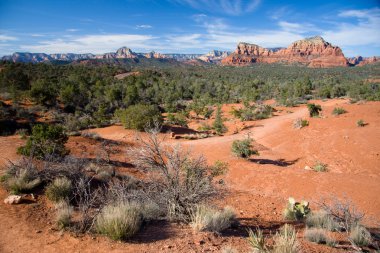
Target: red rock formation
x=313, y=52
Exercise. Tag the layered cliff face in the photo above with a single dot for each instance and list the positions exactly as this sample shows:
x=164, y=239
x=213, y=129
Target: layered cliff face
x=313, y=52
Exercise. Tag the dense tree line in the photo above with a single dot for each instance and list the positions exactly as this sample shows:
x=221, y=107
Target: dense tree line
x=89, y=94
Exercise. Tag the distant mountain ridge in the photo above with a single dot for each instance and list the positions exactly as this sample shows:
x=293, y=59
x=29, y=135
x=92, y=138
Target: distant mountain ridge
x=312, y=52
x=121, y=53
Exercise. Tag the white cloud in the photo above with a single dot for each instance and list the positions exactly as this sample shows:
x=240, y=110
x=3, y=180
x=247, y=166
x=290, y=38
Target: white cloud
x=72, y=30
x=364, y=31
x=4, y=38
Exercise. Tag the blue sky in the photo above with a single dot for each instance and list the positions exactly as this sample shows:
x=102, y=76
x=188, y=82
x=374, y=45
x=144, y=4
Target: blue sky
x=184, y=26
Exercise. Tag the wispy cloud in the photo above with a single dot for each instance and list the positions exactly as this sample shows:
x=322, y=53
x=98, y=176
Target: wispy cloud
x=229, y=7
x=90, y=43
x=72, y=30
x=144, y=26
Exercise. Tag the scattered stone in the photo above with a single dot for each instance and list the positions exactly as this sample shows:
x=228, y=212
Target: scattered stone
x=307, y=168
x=13, y=199
x=38, y=231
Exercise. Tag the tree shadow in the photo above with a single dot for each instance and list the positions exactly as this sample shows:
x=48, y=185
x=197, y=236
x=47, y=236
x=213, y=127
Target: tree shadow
x=246, y=224
x=153, y=232
x=179, y=130
x=278, y=162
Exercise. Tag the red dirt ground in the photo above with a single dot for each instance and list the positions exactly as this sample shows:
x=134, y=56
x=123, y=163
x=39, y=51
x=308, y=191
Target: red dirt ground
x=258, y=188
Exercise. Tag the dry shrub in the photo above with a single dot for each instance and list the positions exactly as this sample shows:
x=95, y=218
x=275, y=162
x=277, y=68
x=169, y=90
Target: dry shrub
x=208, y=219
x=178, y=181
x=59, y=189
x=120, y=221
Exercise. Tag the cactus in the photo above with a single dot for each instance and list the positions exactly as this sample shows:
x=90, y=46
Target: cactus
x=296, y=210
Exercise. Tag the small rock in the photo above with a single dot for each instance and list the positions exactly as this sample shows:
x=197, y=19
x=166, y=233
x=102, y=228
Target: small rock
x=307, y=168
x=201, y=242
x=38, y=231
x=12, y=199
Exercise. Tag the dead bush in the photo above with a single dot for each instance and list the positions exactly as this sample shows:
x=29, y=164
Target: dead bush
x=178, y=181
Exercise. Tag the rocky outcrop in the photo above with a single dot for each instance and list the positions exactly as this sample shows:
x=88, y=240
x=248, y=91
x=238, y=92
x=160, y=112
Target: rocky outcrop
x=214, y=56
x=155, y=55
x=313, y=52
x=361, y=61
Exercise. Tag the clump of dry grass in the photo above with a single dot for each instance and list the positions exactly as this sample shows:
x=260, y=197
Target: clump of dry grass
x=119, y=221
x=22, y=181
x=318, y=235
x=63, y=215
x=59, y=189
x=285, y=241
x=321, y=219
x=208, y=219
x=360, y=235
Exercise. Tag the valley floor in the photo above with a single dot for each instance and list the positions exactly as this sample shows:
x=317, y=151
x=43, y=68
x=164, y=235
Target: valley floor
x=258, y=188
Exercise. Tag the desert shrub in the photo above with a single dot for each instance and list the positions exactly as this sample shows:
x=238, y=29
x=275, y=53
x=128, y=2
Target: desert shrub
x=257, y=242
x=255, y=112
x=320, y=167
x=314, y=110
x=318, y=235
x=243, y=148
x=218, y=124
x=196, y=136
x=360, y=123
x=360, y=236
x=321, y=219
x=45, y=140
x=59, y=189
x=219, y=168
x=177, y=119
x=120, y=221
x=23, y=133
x=296, y=210
x=285, y=241
x=63, y=215
x=338, y=111
x=205, y=218
x=139, y=116
x=300, y=123
x=181, y=181
x=204, y=127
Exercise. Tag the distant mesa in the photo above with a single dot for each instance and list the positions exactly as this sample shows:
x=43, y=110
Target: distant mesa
x=312, y=52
